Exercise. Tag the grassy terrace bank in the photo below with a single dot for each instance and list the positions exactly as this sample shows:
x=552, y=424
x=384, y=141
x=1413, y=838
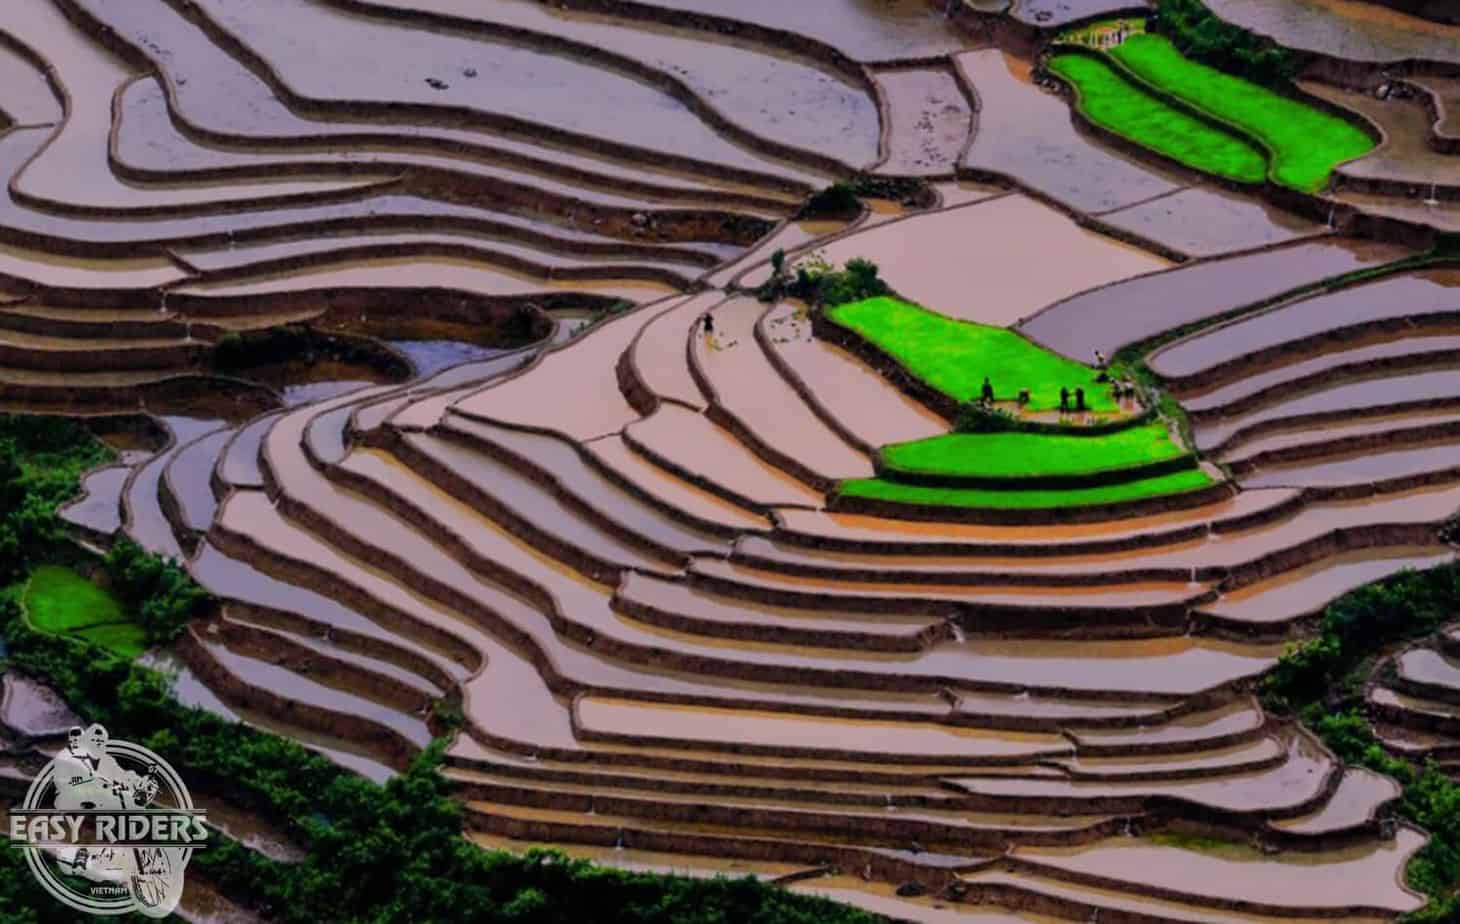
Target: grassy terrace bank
x=1306, y=143
x=374, y=853
x=1030, y=455
x=1115, y=103
x=953, y=356
x=894, y=492
x=59, y=601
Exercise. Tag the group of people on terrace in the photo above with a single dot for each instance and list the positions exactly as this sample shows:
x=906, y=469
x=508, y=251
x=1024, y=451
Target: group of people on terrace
x=1070, y=401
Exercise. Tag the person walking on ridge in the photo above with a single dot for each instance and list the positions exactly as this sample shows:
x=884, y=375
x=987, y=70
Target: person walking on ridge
x=986, y=394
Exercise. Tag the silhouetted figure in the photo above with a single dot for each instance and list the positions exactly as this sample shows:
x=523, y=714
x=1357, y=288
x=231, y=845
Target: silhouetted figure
x=986, y=394
x=709, y=324
x=1079, y=399
x=1099, y=360
x=1064, y=399
x=1023, y=397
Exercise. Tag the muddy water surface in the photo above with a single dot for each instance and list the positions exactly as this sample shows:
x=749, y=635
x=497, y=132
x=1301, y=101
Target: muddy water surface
x=1207, y=222
x=1406, y=155
x=1309, y=589
x=865, y=30
x=750, y=387
x=380, y=61
x=931, y=121
x=1026, y=133
x=1349, y=29
x=773, y=730
x=1432, y=292
x=973, y=262
x=1107, y=319
x=780, y=98
x=864, y=405
x=99, y=508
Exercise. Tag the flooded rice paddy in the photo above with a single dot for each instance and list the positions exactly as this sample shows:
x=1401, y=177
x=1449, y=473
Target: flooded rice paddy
x=584, y=482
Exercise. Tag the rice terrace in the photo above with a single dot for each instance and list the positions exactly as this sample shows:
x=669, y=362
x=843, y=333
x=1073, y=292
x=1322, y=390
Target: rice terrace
x=987, y=461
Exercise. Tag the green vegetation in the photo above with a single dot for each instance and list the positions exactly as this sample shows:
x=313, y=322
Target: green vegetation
x=62, y=602
x=239, y=353
x=1113, y=102
x=953, y=356
x=817, y=282
x=158, y=590
x=1321, y=682
x=880, y=489
x=1306, y=143
x=839, y=200
x=1183, y=841
x=1015, y=455
x=41, y=463
x=1203, y=36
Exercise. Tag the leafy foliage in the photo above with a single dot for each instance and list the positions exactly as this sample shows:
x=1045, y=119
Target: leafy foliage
x=819, y=283
x=1200, y=34
x=41, y=461
x=158, y=590
x=839, y=200
x=1409, y=605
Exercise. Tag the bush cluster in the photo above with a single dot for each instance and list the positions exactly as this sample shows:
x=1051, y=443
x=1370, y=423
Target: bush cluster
x=820, y=284
x=159, y=591
x=41, y=461
x=1200, y=34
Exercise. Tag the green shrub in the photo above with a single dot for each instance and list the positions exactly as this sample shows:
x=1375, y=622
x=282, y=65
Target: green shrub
x=839, y=200
x=819, y=283
x=158, y=590
x=1200, y=34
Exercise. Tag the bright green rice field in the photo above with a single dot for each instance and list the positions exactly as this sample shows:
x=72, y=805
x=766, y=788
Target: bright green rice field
x=61, y=602
x=1011, y=455
x=1307, y=143
x=953, y=356
x=1115, y=103
x=1175, y=483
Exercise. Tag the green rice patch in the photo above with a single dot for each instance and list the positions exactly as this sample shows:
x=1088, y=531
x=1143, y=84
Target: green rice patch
x=1014, y=455
x=953, y=356
x=878, y=489
x=126, y=639
x=1307, y=142
x=59, y=601
x=1115, y=103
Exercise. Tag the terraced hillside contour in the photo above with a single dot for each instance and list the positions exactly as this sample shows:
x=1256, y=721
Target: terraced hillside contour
x=625, y=550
